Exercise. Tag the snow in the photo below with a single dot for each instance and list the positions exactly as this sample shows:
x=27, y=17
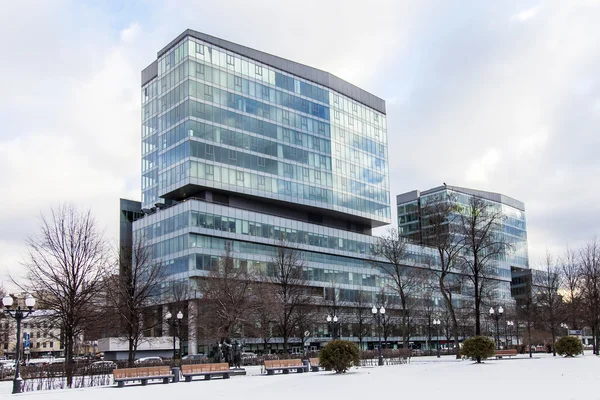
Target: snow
x=544, y=378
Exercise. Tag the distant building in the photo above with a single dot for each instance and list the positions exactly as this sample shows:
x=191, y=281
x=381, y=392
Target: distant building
x=116, y=348
x=42, y=331
x=512, y=227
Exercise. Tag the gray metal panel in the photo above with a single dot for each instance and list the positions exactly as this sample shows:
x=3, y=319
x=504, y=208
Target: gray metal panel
x=303, y=71
x=150, y=72
x=407, y=197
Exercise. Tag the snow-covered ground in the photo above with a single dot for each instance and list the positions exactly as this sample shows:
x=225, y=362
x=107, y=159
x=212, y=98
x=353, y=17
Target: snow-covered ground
x=542, y=378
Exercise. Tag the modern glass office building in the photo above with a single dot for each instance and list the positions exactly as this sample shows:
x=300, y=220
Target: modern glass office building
x=245, y=147
x=512, y=227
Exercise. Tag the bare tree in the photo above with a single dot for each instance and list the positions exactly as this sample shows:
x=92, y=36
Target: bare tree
x=132, y=293
x=590, y=287
x=389, y=257
x=66, y=266
x=6, y=326
x=549, y=303
x=333, y=303
x=286, y=275
x=570, y=271
x=362, y=317
x=440, y=232
x=263, y=308
x=228, y=294
x=479, y=224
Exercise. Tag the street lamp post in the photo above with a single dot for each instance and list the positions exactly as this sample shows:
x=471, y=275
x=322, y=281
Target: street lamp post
x=437, y=323
x=496, y=316
x=509, y=325
x=332, y=323
x=18, y=315
x=563, y=325
x=175, y=323
x=378, y=313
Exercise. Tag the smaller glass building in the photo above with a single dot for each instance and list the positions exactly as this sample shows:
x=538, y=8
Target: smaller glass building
x=512, y=229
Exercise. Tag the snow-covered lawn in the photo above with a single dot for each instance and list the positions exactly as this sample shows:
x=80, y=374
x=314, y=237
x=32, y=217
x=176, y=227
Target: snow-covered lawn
x=541, y=378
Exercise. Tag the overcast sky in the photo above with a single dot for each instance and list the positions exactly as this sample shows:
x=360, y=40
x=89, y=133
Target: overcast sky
x=494, y=95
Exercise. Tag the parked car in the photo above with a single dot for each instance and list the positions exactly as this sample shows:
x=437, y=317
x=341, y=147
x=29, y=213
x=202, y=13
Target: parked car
x=103, y=364
x=194, y=358
x=7, y=367
x=149, y=360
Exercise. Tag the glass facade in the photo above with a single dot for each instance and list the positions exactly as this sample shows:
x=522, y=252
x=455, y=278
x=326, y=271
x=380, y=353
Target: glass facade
x=512, y=227
x=212, y=118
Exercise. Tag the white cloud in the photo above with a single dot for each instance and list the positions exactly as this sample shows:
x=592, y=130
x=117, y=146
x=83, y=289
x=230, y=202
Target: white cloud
x=480, y=169
x=526, y=14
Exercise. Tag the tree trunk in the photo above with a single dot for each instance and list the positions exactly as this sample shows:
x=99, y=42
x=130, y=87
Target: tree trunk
x=131, y=353
x=477, y=300
x=69, y=345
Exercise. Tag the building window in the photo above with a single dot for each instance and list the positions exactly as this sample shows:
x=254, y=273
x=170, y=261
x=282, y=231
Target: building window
x=317, y=175
x=199, y=69
x=323, y=160
x=354, y=107
x=287, y=168
x=304, y=104
x=232, y=155
x=321, y=127
x=208, y=92
x=261, y=180
x=287, y=185
x=351, y=121
x=338, y=164
x=240, y=175
x=210, y=149
x=258, y=70
x=375, y=117
x=209, y=170
x=286, y=134
x=51, y=344
x=305, y=172
x=336, y=114
x=286, y=117
x=261, y=161
x=336, y=99
x=229, y=59
x=265, y=92
x=304, y=122
x=238, y=81
x=199, y=48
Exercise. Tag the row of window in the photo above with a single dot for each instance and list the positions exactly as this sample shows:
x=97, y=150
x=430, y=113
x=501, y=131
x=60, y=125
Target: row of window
x=248, y=180
x=272, y=148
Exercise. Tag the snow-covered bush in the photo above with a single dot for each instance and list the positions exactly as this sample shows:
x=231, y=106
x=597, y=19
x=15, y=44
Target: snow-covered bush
x=569, y=346
x=339, y=355
x=478, y=348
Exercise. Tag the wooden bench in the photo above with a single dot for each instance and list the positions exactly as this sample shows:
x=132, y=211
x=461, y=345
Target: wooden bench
x=505, y=353
x=314, y=364
x=206, y=370
x=285, y=366
x=143, y=374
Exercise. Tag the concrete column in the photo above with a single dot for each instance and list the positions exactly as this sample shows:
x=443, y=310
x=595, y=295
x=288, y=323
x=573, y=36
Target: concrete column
x=192, y=327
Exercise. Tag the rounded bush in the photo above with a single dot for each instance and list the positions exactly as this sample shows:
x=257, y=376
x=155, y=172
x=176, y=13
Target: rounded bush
x=569, y=346
x=339, y=355
x=478, y=348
